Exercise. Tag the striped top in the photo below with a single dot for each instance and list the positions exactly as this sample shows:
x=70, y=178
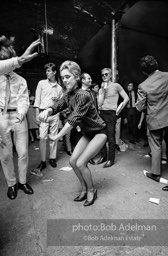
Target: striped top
x=83, y=110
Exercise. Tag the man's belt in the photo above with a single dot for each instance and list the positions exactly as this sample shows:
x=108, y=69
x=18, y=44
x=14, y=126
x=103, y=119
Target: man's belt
x=9, y=110
x=42, y=109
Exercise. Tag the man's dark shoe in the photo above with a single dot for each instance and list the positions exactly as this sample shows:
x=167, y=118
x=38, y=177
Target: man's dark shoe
x=26, y=188
x=165, y=188
x=53, y=162
x=42, y=166
x=12, y=192
x=153, y=176
x=101, y=160
x=108, y=164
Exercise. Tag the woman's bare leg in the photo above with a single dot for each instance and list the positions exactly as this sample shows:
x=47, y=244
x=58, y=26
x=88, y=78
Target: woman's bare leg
x=80, y=147
x=92, y=148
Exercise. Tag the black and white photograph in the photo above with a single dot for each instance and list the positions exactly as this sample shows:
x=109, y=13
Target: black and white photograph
x=83, y=128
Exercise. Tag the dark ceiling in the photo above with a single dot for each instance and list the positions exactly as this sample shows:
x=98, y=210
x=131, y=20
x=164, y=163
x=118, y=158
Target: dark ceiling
x=74, y=22
x=80, y=30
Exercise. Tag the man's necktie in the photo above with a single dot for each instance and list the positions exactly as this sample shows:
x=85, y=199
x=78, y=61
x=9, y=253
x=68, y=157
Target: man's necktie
x=7, y=97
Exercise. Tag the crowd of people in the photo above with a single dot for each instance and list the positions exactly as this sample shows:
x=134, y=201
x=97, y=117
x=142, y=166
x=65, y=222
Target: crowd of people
x=93, y=112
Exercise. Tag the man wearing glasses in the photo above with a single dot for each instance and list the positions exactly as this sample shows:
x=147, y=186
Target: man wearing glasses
x=109, y=109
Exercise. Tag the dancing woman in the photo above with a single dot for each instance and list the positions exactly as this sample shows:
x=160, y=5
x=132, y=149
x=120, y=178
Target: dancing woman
x=84, y=114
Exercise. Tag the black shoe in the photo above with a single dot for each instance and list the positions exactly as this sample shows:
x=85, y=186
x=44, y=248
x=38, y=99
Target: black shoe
x=53, y=162
x=92, y=162
x=80, y=198
x=108, y=164
x=101, y=160
x=12, y=192
x=69, y=153
x=165, y=188
x=26, y=188
x=88, y=203
x=42, y=166
x=153, y=176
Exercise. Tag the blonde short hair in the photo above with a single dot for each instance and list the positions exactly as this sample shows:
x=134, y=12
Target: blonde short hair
x=108, y=69
x=72, y=67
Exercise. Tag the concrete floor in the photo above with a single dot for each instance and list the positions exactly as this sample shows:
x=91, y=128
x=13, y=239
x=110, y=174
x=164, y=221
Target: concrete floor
x=123, y=193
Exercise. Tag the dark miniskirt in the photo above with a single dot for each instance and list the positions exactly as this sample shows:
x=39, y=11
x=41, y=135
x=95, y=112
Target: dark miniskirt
x=91, y=135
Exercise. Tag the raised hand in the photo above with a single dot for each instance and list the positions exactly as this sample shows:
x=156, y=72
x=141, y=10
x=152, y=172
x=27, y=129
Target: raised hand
x=28, y=55
x=54, y=138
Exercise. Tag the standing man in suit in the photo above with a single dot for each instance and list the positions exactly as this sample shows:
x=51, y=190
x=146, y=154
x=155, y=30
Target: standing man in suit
x=153, y=97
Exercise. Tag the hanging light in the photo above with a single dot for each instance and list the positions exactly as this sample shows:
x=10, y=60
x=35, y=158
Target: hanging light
x=48, y=30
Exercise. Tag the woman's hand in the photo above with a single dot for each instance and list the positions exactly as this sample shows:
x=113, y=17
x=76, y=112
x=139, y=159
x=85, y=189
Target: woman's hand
x=45, y=114
x=54, y=138
x=67, y=128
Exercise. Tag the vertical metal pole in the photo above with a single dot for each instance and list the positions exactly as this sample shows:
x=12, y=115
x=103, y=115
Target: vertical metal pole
x=113, y=51
x=46, y=26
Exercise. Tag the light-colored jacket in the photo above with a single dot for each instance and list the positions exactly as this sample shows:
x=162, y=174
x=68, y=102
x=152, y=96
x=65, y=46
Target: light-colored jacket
x=153, y=96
